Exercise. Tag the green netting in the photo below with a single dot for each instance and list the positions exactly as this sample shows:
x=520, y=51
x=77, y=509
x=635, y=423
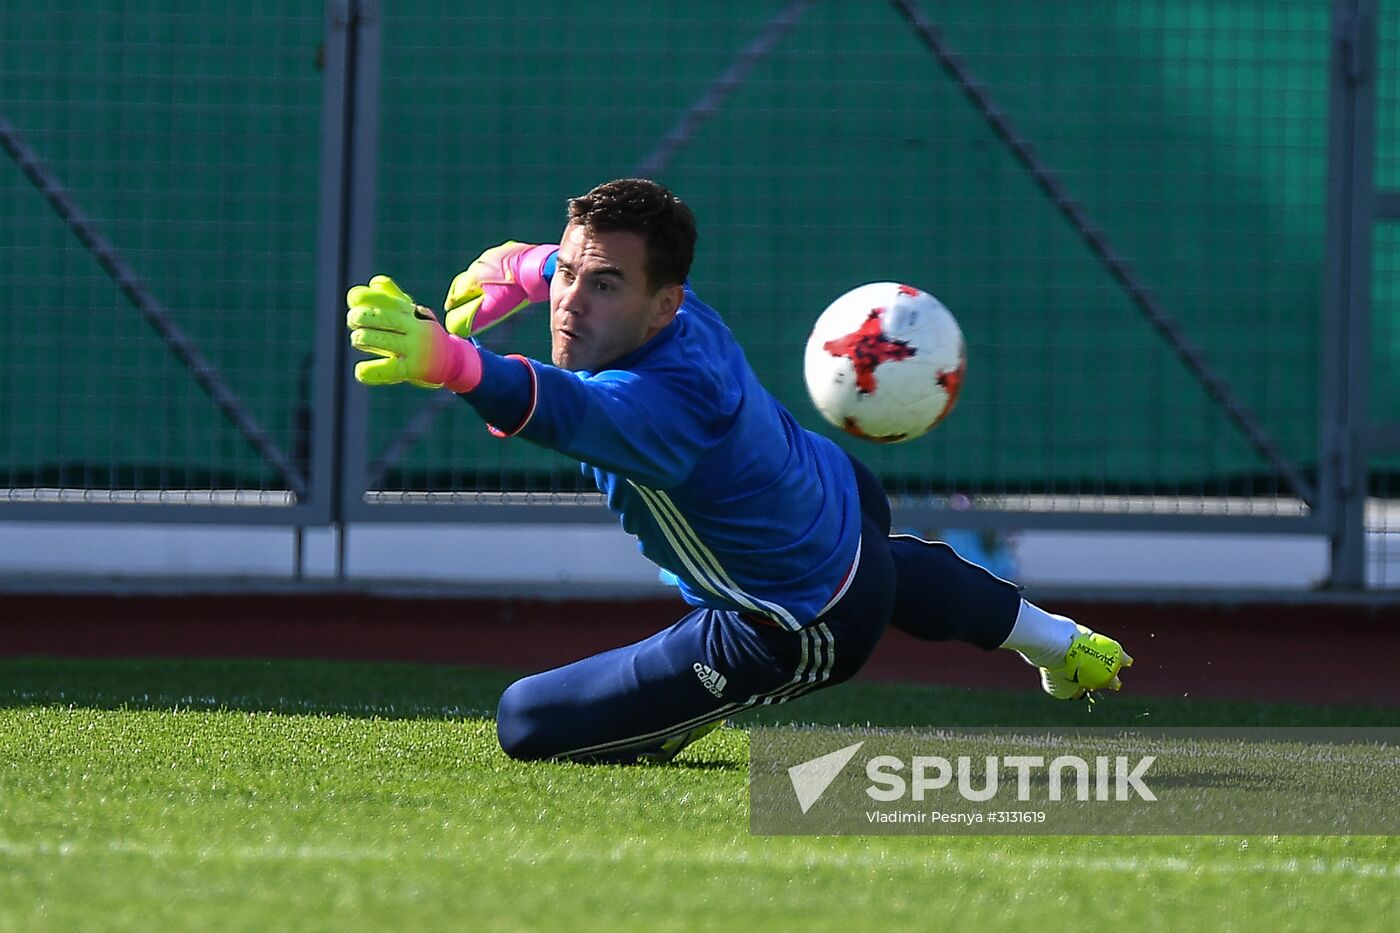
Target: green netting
x=1194, y=135
x=191, y=140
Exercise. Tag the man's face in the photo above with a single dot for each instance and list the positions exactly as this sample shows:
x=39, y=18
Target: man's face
x=600, y=305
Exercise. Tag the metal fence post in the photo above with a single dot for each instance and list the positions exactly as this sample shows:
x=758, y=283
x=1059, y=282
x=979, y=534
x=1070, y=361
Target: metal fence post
x=326, y=398
x=350, y=131
x=1346, y=311
x=360, y=192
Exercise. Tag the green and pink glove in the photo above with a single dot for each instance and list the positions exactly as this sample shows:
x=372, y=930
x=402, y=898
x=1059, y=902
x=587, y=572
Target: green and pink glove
x=384, y=321
x=497, y=284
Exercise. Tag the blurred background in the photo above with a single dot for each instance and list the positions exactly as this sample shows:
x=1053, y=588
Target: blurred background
x=1167, y=229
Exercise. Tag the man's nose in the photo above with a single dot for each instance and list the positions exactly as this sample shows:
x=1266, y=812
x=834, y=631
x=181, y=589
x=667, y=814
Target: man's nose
x=572, y=301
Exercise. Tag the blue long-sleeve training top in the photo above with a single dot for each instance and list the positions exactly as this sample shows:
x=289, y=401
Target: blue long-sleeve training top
x=714, y=477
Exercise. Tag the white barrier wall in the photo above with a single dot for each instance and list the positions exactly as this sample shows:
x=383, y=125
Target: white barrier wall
x=599, y=556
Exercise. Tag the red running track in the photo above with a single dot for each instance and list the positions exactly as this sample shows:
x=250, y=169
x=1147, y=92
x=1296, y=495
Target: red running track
x=1300, y=652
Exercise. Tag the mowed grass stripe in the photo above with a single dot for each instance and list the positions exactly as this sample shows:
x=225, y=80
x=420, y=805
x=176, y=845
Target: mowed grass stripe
x=727, y=858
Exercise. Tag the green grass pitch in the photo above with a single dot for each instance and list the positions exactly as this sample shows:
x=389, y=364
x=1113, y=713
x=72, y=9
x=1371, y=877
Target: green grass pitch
x=316, y=796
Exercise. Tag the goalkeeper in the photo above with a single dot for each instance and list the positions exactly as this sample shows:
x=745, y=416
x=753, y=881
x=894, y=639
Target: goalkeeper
x=776, y=537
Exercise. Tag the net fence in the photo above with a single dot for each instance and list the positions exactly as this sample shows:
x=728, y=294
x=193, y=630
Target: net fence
x=157, y=223
x=1123, y=203
x=822, y=145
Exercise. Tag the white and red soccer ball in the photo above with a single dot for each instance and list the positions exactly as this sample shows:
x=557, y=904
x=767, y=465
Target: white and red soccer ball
x=885, y=362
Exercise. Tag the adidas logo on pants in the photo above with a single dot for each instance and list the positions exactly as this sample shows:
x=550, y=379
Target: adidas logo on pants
x=713, y=680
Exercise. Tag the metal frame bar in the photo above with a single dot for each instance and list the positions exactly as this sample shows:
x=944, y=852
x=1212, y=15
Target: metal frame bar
x=361, y=196
x=930, y=516
x=170, y=514
x=588, y=508
x=1351, y=207
x=328, y=403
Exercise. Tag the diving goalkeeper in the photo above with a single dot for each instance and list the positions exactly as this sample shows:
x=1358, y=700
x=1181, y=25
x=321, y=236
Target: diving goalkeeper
x=777, y=538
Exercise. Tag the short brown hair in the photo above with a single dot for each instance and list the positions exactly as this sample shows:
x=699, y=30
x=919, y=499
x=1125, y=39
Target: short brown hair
x=643, y=207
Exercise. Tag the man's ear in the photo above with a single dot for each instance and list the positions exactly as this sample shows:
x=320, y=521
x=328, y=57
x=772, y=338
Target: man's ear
x=671, y=297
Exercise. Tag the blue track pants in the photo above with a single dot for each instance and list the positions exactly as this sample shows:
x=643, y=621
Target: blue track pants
x=621, y=704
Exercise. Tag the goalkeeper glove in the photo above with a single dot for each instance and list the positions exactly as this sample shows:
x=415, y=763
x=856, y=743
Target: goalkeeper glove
x=497, y=284
x=384, y=321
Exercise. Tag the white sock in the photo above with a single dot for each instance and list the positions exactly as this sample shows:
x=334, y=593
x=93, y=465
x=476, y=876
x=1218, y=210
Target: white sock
x=1041, y=637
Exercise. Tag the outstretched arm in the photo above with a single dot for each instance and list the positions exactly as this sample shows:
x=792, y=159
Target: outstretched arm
x=649, y=426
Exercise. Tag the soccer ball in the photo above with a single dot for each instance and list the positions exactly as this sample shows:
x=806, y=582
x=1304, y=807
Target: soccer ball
x=885, y=362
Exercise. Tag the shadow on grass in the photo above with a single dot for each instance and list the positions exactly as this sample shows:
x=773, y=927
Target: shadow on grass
x=420, y=691
x=305, y=688
x=335, y=688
